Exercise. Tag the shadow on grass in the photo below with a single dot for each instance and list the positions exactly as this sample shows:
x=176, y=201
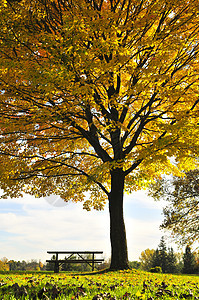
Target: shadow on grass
x=69, y=273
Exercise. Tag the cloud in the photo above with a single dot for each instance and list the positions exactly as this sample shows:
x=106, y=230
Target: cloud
x=142, y=235
x=34, y=231
x=29, y=227
x=141, y=198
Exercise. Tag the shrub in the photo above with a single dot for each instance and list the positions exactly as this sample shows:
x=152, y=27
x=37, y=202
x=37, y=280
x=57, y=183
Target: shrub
x=156, y=270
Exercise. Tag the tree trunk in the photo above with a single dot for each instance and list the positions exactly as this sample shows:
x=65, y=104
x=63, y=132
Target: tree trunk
x=119, y=253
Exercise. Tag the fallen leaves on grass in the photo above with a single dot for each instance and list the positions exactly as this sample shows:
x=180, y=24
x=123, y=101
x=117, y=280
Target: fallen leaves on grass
x=122, y=285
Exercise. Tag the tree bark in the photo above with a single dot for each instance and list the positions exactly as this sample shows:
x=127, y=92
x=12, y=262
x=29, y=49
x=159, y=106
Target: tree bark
x=119, y=253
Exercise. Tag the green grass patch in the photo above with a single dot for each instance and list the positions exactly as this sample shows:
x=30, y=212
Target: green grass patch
x=130, y=284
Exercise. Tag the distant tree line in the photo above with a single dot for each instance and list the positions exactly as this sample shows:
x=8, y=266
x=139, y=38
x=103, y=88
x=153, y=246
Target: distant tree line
x=12, y=265
x=34, y=265
x=164, y=260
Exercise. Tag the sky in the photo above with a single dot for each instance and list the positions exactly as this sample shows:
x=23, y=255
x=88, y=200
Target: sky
x=30, y=226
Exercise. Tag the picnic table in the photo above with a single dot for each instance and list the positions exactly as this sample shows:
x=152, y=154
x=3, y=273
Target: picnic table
x=80, y=258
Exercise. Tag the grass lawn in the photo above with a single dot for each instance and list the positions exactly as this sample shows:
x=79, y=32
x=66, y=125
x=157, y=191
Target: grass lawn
x=130, y=284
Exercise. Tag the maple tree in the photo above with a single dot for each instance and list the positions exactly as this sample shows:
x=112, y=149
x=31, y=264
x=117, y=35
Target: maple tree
x=181, y=215
x=146, y=258
x=96, y=96
x=4, y=264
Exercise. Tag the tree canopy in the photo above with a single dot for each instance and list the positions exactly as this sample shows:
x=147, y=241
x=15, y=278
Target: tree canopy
x=96, y=95
x=181, y=215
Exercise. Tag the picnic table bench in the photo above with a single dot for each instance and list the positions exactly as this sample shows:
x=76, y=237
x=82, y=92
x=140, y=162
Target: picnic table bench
x=90, y=261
